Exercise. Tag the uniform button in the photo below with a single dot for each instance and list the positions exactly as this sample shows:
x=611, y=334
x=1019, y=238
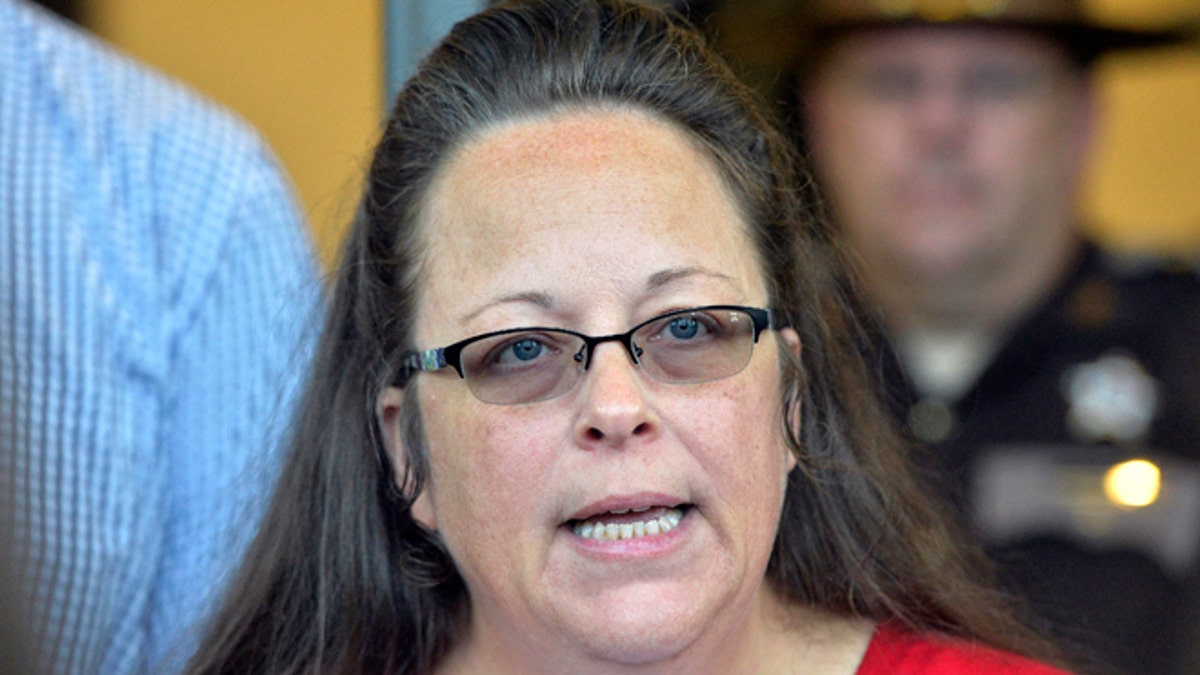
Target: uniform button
x=1093, y=305
x=932, y=420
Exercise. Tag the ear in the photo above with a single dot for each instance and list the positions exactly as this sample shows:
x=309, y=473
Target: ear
x=791, y=339
x=389, y=407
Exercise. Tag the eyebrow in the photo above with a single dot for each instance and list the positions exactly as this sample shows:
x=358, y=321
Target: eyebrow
x=537, y=298
x=656, y=281
x=669, y=276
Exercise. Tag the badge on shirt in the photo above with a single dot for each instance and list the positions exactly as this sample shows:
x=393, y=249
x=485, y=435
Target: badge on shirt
x=1100, y=497
x=1112, y=399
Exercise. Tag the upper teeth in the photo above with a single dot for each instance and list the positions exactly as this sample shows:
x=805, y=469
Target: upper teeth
x=601, y=531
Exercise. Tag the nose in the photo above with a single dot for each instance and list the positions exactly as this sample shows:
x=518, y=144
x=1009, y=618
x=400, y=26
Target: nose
x=941, y=118
x=615, y=409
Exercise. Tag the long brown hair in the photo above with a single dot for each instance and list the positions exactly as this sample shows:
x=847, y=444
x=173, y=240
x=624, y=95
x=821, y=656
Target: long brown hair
x=341, y=578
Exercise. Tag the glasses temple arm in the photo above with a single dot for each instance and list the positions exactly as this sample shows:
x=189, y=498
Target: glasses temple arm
x=428, y=360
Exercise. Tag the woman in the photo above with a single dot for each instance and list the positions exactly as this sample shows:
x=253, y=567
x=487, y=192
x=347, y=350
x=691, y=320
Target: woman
x=476, y=485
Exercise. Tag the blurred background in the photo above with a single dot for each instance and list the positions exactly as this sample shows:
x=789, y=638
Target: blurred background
x=313, y=77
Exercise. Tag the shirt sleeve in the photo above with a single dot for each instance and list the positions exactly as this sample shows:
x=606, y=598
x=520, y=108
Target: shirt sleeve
x=240, y=351
x=158, y=296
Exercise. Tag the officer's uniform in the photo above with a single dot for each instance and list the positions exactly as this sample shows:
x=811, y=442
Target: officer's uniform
x=1107, y=371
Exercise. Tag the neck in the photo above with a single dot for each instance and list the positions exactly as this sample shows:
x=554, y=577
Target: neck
x=984, y=299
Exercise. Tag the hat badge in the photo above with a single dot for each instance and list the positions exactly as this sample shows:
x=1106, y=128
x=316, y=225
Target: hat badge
x=942, y=10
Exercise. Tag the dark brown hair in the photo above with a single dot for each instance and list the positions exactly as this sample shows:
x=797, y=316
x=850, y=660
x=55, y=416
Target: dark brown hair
x=341, y=578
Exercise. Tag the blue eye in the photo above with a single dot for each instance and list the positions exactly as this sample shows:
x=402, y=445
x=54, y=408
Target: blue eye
x=517, y=353
x=526, y=350
x=684, y=328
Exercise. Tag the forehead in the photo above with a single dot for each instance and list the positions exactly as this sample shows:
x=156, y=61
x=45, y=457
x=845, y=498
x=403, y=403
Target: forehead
x=578, y=204
x=948, y=47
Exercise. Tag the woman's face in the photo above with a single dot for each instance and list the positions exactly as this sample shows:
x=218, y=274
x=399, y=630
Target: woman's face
x=596, y=221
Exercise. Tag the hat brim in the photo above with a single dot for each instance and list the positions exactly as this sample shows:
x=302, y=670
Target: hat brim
x=1086, y=41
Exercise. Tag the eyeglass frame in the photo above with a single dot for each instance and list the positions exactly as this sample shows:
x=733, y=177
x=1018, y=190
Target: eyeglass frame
x=437, y=358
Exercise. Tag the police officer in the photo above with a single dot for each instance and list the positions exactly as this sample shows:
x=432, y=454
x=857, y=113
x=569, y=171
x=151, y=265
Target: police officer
x=1056, y=386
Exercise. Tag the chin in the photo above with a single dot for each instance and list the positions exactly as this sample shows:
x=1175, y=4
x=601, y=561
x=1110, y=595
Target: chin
x=947, y=257
x=638, y=629
x=640, y=645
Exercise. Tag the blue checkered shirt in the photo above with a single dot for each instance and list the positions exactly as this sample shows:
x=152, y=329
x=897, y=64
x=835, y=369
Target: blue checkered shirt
x=157, y=300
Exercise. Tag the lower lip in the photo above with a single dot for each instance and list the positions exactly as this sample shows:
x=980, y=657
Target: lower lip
x=632, y=549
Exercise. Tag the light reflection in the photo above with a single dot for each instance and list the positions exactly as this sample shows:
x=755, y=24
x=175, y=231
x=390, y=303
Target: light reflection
x=1133, y=484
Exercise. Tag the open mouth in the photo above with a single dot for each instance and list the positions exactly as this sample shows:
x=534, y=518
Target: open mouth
x=627, y=524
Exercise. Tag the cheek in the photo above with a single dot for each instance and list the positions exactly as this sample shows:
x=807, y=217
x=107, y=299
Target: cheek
x=739, y=439
x=857, y=156
x=486, y=463
x=861, y=132
x=1023, y=144
x=1023, y=170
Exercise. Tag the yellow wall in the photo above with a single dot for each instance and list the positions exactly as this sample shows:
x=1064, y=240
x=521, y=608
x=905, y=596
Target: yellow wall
x=1144, y=190
x=308, y=74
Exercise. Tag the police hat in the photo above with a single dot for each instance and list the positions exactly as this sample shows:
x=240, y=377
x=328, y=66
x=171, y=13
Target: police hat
x=1062, y=20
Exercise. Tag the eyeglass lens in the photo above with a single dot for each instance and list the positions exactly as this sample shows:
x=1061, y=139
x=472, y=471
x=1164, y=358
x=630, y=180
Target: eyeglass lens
x=686, y=347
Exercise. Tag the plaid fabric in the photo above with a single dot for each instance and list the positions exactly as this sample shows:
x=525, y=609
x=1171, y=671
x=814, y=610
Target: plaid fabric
x=157, y=293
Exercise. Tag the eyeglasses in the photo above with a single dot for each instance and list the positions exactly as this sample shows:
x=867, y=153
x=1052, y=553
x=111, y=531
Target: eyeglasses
x=526, y=365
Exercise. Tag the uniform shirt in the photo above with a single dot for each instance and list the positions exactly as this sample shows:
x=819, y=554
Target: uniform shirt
x=895, y=651
x=156, y=289
x=1054, y=451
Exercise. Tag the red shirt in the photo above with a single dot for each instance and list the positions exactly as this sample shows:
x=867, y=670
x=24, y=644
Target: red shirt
x=895, y=651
